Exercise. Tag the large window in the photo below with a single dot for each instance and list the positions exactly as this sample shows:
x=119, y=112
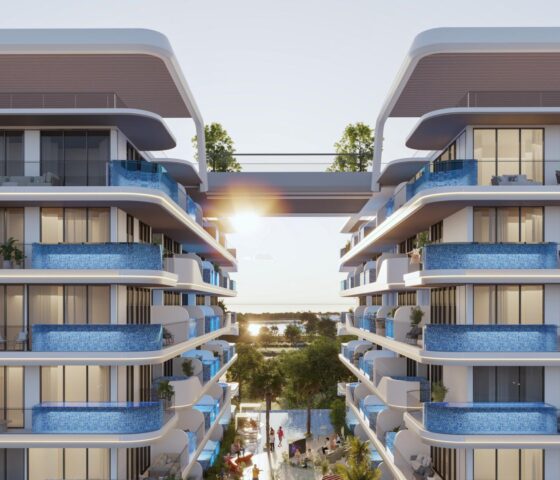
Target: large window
x=509, y=151
x=75, y=383
x=12, y=396
x=82, y=463
x=75, y=225
x=508, y=384
x=508, y=304
x=138, y=305
x=12, y=463
x=77, y=157
x=508, y=464
x=69, y=304
x=11, y=153
x=12, y=224
x=443, y=305
x=445, y=462
x=12, y=324
x=509, y=224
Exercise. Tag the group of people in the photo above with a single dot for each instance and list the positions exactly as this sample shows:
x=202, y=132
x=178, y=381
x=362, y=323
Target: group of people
x=331, y=444
x=272, y=438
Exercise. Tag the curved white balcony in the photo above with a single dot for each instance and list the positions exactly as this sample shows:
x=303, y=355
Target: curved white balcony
x=189, y=270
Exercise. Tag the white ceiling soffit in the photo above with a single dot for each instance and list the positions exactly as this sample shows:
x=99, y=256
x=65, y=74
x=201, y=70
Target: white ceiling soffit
x=138, y=65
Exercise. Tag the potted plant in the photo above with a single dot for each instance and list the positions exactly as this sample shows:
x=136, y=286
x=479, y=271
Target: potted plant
x=439, y=391
x=18, y=256
x=187, y=367
x=415, y=332
x=165, y=392
x=422, y=240
x=7, y=252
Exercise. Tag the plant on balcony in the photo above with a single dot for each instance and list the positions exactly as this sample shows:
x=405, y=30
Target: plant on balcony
x=392, y=312
x=422, y=240
x=11, y=253
x=439, y=391
x=416, y=315
x=187, y=367
x=165, y=390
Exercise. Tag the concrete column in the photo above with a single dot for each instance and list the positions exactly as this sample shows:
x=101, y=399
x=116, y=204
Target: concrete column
x=32, y=152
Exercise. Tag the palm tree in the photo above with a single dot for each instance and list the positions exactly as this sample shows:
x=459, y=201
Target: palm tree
x=358, y=465
x=268, y=382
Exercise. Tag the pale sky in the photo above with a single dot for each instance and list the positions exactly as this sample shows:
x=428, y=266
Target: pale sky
x=286, y=76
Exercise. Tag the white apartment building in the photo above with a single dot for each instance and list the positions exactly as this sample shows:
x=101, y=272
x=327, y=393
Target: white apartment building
x=110, y=353
x=454, y=264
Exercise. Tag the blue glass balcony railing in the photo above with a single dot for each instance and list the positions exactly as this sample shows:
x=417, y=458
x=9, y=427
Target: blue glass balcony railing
x=366, y=366
x=467, y=256
x=390, y=327
x=212, y=323
x=371, y=412
x=490, y=418
x=209, y=454
x=140, y=173
x=97, y=418
x=450, y=173
x=210, y=413
x=96, y=338
x=193, y=441
x=390, y=441
x=103, y=256
x=491, y=338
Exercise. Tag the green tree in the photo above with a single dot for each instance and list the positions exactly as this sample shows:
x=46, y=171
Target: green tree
x=265, y=335
x=354, y=149
x=310, y=320
x=292, y=333
x=358, y=465
x=338, y=415
x=249, y=359
x=313, y=372
x=326, y=328
x=220, y=149
x=268, y=382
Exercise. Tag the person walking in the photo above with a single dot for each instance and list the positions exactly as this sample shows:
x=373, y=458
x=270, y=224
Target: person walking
x=255, y=472
x=280, y=436
x=271, y=440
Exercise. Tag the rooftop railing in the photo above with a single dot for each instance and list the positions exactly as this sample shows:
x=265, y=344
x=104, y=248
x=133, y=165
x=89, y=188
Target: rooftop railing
x=514, y=98
x=61, y=100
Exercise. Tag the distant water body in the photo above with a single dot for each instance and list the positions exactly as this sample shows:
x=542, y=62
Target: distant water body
x=255, y=326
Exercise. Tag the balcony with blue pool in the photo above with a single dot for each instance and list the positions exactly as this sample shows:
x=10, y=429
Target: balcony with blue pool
x=366, y=366
x=144, y=174
x=97, y=256
x=96, y=338
x=450, y=173
x=472, y=256
x=390, y=441
x=210, y=410
x=491, y=338
x=371, y=412
x=490, y=418
x=98, y=418
x=209, y=454
x=424, y=393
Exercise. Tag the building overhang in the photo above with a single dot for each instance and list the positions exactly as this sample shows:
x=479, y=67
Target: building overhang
x=444, y=64
x=435, y=130
x=401, y=170
x=146, y=130
x=182, y=171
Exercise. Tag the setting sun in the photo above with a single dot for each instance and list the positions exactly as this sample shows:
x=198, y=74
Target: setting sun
x=245, y=222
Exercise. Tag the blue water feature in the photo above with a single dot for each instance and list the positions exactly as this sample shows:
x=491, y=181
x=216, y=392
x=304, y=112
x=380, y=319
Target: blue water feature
x=390, y=441
x=371, y=412
x=102, y=417
x=97, y=256
x=490, y=418
x=452, y=173
x=465, y=256
x=389, y=328
x=491, y=338
x=96, y=338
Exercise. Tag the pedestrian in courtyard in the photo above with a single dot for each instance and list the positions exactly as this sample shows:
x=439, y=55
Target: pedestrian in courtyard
x=256, y=472
x=280, y=436
x=271, y=440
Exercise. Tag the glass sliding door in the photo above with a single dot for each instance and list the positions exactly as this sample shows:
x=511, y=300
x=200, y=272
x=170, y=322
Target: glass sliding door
x=77, y=157
x=508, y=384
x=509, y=151
x=12, y=396
x=508, y=224
x=75, y=383
x=11, y=153
x=508, y=304
x=75, y=225
x=508, y=464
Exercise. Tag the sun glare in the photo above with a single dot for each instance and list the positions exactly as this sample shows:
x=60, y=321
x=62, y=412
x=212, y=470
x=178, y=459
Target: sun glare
x=245, y=222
